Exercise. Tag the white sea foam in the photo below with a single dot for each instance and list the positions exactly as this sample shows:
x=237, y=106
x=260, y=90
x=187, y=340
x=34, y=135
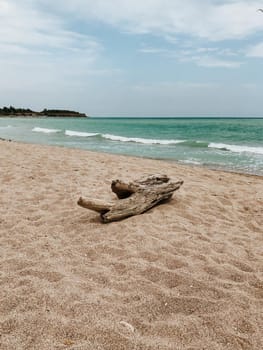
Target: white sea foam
x=236, y=148
x=123, y=138
x=141, y=140
x=191, y=161
x=79, y=133
x=6, y=127
x=46, y=131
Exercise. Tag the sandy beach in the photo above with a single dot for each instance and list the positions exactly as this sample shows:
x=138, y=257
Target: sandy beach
x=188, y=274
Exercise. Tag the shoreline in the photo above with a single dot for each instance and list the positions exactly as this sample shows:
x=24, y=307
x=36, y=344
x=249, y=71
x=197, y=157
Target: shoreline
x=129, y=117
x=180, y=163
x=179, y=141
x=190, y=266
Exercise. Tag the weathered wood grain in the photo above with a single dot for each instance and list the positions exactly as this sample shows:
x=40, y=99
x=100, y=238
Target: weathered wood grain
x=135, y=197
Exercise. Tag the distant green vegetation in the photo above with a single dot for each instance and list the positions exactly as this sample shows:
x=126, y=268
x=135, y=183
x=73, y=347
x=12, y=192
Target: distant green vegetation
x=12, y=111
x=26, y=112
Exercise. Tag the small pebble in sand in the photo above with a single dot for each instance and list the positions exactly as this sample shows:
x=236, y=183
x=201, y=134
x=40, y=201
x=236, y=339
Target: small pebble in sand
x=128, y=326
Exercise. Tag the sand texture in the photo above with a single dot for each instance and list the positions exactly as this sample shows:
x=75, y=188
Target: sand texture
x=188, y=274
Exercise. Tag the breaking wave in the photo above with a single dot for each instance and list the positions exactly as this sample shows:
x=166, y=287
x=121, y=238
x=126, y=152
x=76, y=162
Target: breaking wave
x=236, y=148
x=80, y=134
x=141, y=140
x=145, y=141
x=123, y=138
x=45, y=131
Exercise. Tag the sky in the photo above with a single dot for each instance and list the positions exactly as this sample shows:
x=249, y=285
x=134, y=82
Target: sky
x=159, y=58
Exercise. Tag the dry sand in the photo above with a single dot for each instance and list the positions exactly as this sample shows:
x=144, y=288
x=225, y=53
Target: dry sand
x=185, y=275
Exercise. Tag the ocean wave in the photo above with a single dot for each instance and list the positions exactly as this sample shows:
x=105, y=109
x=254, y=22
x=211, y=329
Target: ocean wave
x=188, y=143
x=80, y=134
x=141, y=140
x=123, y=138
x=236, y=148
x=46, y=131
x=196, y=144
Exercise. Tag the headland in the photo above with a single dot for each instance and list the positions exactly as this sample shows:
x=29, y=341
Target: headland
x=27, y=112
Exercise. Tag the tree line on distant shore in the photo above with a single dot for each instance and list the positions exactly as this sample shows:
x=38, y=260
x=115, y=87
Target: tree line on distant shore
x=12, y=111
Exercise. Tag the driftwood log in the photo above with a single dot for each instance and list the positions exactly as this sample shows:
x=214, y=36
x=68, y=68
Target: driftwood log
x=134, y=197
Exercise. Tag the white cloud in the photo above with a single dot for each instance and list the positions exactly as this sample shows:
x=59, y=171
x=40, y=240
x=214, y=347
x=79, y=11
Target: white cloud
x=39, y=53
x=44, y=62
x=27, y=31
x=210, y=57
x=153, y=50
x=210, y=19
x=214, y=62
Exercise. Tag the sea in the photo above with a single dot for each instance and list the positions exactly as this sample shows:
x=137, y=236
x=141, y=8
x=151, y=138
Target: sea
x=232, y=144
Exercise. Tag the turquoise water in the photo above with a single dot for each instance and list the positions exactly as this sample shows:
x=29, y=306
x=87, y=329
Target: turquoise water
x=230, y=144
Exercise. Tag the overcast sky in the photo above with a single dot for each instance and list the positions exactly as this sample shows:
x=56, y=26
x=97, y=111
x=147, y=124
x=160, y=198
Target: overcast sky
x=133, y=57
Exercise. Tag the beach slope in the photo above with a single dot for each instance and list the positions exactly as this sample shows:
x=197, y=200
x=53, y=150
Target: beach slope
x=188, y=274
